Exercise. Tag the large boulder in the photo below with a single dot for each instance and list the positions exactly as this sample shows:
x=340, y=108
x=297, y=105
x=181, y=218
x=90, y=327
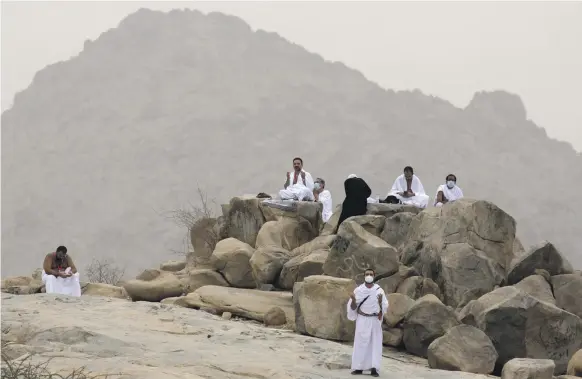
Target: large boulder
x=380, y=209
x=538, y=287
x=154, y=286
x=203, y=237
x=575, y=364
x=392, y=337
x=398, y=307
x=426, y=320
x=464, y=246
x=287, y=233
x=525, y=368
x=520, y=325
x=568, y=292
x=21, y=285
x=243, y=219
x=267, y=263
x=310, y=211
x=197, y=278
x=231, y=258
x=463, y=348
x=173, y=266
x=354, y=250
x=102, y=289
x=248, y=303
x=390, y=283
x=416, y=287
x=542, y=256
x=308, y=259
x=373, y=224
x=321, y=307
x=396, y=228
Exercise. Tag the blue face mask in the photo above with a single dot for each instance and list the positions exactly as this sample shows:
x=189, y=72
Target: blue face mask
x=317, y=186
x=450, y=184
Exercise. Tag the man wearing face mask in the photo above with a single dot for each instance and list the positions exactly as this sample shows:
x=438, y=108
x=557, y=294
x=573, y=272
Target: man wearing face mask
x=59, y=274
x=324, y=197
x=448, y=192
x=367, y=306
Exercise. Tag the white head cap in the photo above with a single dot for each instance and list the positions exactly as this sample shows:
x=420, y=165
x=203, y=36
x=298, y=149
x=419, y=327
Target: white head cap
x=352, y=176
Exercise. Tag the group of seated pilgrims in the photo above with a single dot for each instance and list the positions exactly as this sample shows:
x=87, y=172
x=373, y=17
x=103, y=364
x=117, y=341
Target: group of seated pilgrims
x=407, y=189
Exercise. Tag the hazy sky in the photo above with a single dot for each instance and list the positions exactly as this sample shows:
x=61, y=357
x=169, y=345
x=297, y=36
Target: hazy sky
x=448, y=49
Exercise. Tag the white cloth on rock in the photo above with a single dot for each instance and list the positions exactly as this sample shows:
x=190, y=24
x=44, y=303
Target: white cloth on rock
x=420, y=198
x=367, y=353
x=325, y=199
x=302, y=190
x=451, y=194
x=62, y=286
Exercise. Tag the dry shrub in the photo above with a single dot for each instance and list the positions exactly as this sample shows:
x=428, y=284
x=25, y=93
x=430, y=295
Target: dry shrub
x=199, y=221
x=25, y=368
x=104, y=271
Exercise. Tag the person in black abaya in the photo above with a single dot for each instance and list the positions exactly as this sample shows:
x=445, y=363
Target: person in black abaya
x=356, y=201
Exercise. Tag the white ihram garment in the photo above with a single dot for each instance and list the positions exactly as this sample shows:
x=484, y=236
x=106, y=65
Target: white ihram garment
x=451, y=194
x=420, y=200
x=63, y=286
x=300, y=190
x=367, y=352
x=325, y=199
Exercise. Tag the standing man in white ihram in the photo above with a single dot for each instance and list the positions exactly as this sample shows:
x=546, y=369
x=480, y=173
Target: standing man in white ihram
x=367, y=306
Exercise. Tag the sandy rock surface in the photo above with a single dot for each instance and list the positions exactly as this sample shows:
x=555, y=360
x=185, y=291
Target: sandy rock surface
x=158, y=341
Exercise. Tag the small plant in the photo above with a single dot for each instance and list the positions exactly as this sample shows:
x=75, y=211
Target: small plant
x=27, y=369
x=104, y=271
x=199, y=221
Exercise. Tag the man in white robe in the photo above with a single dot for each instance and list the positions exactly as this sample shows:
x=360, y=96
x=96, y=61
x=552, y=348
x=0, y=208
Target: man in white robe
x=60, y=275
x=367, y=306
x=448, y=192
x=299, y=184
x=408, y=190
x=324, y=197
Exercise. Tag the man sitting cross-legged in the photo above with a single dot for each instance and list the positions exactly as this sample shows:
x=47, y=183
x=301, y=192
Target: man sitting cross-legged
x=60, y=274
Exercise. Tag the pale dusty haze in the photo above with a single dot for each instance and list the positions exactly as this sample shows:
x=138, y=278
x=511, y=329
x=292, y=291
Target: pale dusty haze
x=451, y=50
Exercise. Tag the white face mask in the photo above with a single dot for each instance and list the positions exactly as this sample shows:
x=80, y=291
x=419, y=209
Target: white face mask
x=450, y=184
x=317, y=186
x=369, y=279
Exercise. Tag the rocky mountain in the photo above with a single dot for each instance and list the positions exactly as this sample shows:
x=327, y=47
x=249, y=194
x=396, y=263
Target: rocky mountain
x=99, y=145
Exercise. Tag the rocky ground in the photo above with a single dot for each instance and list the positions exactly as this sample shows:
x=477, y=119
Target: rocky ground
x=151, y=340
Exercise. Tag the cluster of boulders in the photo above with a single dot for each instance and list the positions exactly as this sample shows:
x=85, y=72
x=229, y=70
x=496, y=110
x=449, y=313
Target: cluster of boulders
x=463, y=292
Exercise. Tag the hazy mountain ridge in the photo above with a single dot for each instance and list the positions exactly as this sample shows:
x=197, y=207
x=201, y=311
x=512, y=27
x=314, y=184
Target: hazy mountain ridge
x=166, y=101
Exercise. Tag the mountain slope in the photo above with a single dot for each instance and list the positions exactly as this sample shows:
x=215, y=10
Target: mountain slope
x=99, y=145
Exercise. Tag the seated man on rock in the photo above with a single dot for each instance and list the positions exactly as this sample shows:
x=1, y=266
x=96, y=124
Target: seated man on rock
x=324, y=197
x=299, y=184
x=407, y=189
x=448, y=192
x=60, y=274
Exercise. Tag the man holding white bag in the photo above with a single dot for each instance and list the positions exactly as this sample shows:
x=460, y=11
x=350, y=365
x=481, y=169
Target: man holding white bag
x=60, y=274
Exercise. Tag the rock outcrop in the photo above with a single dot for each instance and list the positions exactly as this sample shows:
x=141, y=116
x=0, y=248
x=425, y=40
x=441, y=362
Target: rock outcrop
x=520, y=325
x=355, y=249
x=567, y=290
x=463, y=348
x=153, y=285
x=321, y=295
x=427, y=320
x=231, y=258
x=542, y=256
x=447, y=244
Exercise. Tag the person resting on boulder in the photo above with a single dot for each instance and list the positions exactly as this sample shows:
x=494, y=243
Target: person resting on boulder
x=448, y=192
x=299, y=184
x=407, y=189
x=60, y=275
x=356, y=201
x=324, y=197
